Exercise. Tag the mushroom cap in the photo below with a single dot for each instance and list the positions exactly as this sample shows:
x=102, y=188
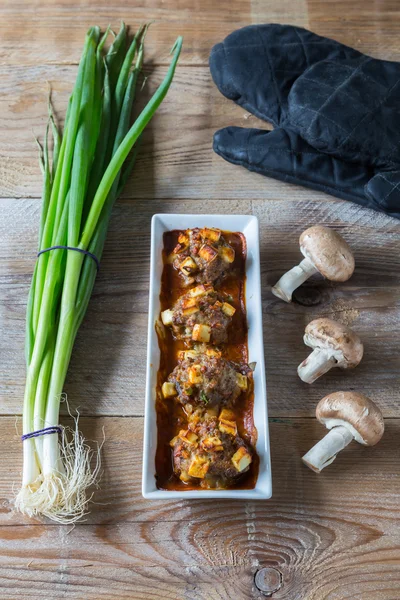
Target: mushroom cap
x=328, y=252
x=329, y=334
x=354, y=411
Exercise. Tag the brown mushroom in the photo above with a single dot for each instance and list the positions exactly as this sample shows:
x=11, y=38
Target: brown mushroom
x=349, y=416
x=325, y=252
x=334, y=345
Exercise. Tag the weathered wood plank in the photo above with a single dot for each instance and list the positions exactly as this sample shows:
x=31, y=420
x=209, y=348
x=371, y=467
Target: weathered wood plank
x=335, y=536
x=176, y=157
x=372, y=572
x=54, y=31
x=369, y=302
x=115, y=582
x=326, y=534
x=193, y=103
x=298, y=493
x=107, y=374
x=364, y=25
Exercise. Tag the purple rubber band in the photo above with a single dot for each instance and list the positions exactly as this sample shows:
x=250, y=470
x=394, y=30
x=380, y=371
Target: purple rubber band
x=39, y=432
x=93, y=256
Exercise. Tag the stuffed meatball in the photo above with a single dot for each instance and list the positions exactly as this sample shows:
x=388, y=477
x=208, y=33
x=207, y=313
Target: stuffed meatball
x=201, y=315
x=210, y=450
x=206, y=379
x=203, y=255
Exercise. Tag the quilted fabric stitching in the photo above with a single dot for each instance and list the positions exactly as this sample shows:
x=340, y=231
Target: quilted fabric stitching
x=313, y=110
x=381, y=175
x=280, y=45
x=329, y=189
x=230, y=78
x=242, y=100
x=394, y=188
x=329, y=61
x=303, y=47
x=356, y=148
x=274, y=96
x=389, y=160
x=278, y=100
x=365, y=76
x=329, y=99
x=325, y=84
x=370, y=113
x=298, y=152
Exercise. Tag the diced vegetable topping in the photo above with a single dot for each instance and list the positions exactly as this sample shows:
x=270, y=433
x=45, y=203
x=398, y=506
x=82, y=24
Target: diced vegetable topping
x=188, y=266
x=173, y=441
x=200, y=314
x=208, y=253
x=211, y=234
x=212, y=444
x=228, y=427
x=186, y=312
x=195, y=375
x=199, y=467
x=213, y=352
x=201, y=333
x=199, y=290
x=227, y=415
x=168, y=389
x=227, y=422
x=227, y=254
x=189, y=354
x=209, y=250
x=183, y=239
x=188, y=436
x=241, y=459
x=166, y=317
x=184, y=476
x=228, y=309
x=242, y=381
x=189, y=302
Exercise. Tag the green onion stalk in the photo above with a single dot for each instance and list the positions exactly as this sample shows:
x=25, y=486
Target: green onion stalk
x=91, y=162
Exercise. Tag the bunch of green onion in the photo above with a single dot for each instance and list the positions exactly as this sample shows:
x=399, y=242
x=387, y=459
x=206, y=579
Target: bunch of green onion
x=91, y=162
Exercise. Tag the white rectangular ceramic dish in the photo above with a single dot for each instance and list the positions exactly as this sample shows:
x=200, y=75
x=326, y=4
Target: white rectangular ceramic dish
x=248, y=225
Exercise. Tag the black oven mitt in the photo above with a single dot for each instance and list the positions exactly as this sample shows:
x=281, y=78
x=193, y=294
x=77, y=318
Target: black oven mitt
x=336, y=113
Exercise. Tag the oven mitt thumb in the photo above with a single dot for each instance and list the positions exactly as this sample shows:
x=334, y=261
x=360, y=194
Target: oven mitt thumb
x=336, y=113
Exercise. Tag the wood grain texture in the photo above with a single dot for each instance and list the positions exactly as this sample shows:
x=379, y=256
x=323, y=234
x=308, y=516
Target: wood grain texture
x=332, y=537
x=112, y=381
x=53, y=31
x=175, y=161
x=321, y=533
x=194, y=108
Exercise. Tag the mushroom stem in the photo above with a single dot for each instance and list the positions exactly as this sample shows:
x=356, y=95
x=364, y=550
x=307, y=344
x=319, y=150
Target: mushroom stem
x=316, y=364
x=325, y=451
x=293, y=279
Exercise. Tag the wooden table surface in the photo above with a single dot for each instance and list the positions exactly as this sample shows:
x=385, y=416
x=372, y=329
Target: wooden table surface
x=331, y=537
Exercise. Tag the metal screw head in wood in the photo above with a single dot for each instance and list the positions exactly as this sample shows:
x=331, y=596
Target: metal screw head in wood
x=268, y=580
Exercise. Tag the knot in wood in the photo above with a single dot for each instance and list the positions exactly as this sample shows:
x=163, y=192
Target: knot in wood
x=268, y=580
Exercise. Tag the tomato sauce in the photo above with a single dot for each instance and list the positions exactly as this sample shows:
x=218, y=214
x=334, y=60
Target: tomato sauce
x=170, y=415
